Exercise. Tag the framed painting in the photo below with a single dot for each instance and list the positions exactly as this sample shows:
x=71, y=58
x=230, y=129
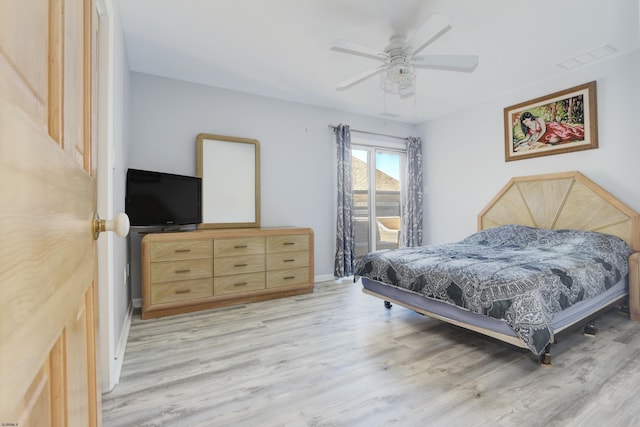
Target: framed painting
x=561, y=122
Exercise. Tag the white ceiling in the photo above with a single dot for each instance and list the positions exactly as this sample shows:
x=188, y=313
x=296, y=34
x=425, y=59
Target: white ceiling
x=281, y=48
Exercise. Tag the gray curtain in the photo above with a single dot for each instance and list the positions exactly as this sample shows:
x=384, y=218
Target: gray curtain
x=345, y=224
x=412, y=212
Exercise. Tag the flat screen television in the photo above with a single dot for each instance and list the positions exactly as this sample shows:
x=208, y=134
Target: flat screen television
x=159, y=198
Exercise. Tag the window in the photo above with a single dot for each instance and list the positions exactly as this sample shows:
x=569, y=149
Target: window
x=377, y=175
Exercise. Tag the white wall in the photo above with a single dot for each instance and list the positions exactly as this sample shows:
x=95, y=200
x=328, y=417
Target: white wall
x=464, y=153
x=113, y=288
x=296, y=147
x=122, y=289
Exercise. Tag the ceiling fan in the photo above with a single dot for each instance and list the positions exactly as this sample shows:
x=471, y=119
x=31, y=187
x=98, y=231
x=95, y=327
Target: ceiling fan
x=400, y=58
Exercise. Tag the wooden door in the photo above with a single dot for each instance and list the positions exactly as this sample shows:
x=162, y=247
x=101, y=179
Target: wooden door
x=47, y=200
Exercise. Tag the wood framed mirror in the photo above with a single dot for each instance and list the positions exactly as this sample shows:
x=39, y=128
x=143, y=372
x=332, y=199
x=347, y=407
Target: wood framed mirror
x=230, y=172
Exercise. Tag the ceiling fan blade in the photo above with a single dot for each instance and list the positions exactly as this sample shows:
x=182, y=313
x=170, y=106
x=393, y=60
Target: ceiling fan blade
x=430, y=30
x=466, y=63
x=360, y=77
x=357, y=49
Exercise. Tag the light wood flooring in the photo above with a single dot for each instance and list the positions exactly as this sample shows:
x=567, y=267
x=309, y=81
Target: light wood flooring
x=337, y=357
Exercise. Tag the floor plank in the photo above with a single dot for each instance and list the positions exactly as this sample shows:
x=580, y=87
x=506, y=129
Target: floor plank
x=337, y=357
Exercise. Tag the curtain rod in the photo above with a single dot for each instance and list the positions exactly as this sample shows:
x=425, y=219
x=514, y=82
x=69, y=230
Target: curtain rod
x=371, y=133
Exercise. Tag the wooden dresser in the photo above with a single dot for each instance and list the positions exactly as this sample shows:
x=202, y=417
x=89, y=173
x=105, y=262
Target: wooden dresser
x=197, y=270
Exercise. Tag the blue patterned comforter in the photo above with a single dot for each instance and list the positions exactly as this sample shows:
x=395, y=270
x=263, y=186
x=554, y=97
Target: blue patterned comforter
x=522, y=275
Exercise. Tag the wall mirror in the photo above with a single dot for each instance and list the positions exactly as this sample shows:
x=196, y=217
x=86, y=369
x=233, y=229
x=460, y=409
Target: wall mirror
x=230, y=172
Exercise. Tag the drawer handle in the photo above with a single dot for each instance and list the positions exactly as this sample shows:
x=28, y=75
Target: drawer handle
x=289, y=277
x=240, y=265
x=289, y=243
x=289, y=260
x=186, y=270
x=240, y=284
x=183, y=291
x=183, y=250
x=241, y=246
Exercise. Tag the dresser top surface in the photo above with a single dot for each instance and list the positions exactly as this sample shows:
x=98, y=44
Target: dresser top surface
x=226, y=233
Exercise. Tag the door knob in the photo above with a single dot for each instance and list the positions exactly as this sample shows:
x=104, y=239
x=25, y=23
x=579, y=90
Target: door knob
x=119, y=225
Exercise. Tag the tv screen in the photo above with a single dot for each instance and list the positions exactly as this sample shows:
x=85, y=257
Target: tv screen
x=158, y=198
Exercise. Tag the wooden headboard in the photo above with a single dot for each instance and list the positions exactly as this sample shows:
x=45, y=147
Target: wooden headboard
x=566, y=200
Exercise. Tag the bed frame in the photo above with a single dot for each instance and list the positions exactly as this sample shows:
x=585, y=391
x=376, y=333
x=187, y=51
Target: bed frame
x=566, y=200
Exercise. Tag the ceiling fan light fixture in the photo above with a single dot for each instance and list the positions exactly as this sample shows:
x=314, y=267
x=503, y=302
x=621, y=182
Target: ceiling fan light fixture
x=397, y=77
x=397, y=73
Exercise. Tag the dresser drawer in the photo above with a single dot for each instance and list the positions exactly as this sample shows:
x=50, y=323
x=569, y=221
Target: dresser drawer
x=238, y=265
x=239, y=246
x=187, y=249
x=226, y=285
x=181, y=291
x=181, y=270
x=292, y=276
x=280, y=260
x=290, y=242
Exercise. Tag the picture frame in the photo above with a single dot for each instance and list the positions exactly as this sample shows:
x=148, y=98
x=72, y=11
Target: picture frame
x=560, y=122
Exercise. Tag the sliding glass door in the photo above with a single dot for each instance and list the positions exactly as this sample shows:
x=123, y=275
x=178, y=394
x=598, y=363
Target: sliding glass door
x=377, y=194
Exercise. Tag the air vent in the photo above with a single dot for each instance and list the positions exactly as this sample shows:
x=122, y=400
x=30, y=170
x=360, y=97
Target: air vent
x=587, y=57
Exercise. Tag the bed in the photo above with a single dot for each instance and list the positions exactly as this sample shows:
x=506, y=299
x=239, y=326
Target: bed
x=551, y=253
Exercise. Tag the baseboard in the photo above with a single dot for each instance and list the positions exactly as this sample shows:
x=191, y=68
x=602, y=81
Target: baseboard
x=122, y=346
x=324, y=278
x=137, y=302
